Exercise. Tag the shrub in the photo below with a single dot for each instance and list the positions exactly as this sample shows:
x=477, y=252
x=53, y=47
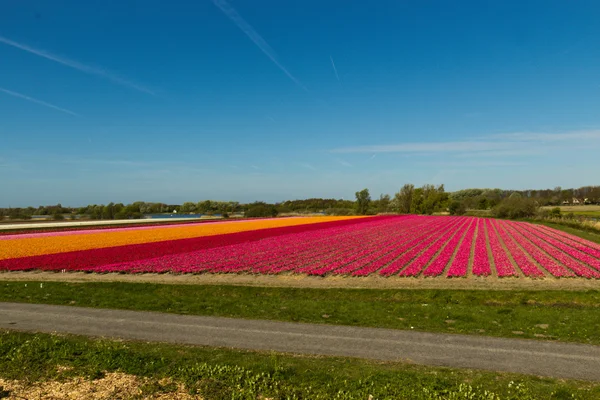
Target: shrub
x=457, y=208
x=515, y=207
x=339, y=211
x=261, y=210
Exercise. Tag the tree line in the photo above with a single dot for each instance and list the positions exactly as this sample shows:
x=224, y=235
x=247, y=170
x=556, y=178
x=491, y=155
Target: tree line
x=427, y=199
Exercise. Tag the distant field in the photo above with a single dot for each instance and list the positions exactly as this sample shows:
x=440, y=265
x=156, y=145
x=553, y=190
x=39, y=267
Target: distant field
x=592, y=211
x=584, y=208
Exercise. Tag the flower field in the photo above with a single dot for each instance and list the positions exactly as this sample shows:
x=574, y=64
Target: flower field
x=403, y=246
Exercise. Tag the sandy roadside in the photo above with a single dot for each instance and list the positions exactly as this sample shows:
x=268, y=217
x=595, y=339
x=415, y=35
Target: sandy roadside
x=303, y=281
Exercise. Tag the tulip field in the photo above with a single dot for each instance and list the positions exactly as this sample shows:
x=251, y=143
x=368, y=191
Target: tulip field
x=401, y=246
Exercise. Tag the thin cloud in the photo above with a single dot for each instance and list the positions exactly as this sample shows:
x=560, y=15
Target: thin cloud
x=518, y=144
x=308, y=166
x=40, y=102
x=548, y=137
x=334, y=68
x=77, y=65
x=476, y=163
x=344, y=163
x=241, y=23
x=516, y=152
x=422, y=147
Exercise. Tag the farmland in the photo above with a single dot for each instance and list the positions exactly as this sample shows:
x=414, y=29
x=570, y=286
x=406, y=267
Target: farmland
x=430, y=255
x=385, y=246
x=590, y=211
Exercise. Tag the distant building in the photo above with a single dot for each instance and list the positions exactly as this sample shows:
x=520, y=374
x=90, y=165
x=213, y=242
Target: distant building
x=575, y=201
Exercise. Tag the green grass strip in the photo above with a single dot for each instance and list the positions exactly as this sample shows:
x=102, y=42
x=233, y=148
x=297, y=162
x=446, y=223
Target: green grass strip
x=570, y=316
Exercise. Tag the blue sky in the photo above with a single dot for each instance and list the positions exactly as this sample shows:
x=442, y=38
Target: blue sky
x=272, y=100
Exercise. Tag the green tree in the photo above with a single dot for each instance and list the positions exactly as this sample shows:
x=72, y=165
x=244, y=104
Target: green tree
x=108, y=211
x=483, y=203
x=95, y=211
x=58, y=217
x=260, y=209
x=404, y=198
x=187, y=207
x=555, y=212
x=515, y=207
x=205, y=207
x=457, y=207
x=383, y=204
x=416, y=205
x=363, y=199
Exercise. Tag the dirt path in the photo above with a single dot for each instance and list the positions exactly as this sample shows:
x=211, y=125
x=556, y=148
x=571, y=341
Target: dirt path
x=560, y=360
x=304, y=281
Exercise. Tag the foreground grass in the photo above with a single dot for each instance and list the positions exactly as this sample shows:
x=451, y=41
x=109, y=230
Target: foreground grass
x=232, y=374
x=572, y=316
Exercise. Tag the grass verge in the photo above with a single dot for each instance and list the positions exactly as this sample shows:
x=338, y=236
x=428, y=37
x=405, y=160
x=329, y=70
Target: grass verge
x=572, y=316
x=222, y=373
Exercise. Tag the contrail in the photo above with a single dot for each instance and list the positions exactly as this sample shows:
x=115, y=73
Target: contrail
x=77, y=65
x=334, y=68
x=43, y=103
x=241, y=23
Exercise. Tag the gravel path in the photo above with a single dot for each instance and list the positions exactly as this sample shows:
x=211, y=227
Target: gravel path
x=560, y=360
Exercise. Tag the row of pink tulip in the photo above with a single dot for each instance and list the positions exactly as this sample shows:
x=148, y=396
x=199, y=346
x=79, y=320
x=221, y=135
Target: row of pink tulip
x=581, y=245
x=400, y=249
x=564, y=235
x=567, y=256
x=378, y=254
x=418, y=253
x=504, y=267
x=460, y=263
x=332, y=254
x=417, y=266
x=481, y=260
x=538, y=254
x=523, y=262
x=271, y=255
x=438, y=265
